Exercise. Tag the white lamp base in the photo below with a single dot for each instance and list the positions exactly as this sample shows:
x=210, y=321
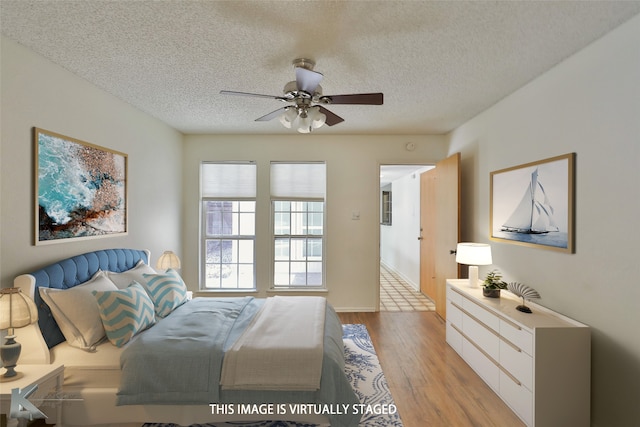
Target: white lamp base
x=473, y=276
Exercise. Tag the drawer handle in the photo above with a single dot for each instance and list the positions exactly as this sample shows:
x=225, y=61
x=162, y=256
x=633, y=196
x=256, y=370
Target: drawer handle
x=512, y=345
x=480, y=322
x=456, y=305
x=511, y=377
x=513, y=325
x=491, y=359
x=457, y=292
x=459, y=331
x=495, y=313
x=480, y=349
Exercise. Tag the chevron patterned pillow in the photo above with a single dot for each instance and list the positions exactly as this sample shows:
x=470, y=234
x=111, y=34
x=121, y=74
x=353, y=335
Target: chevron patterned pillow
x=125, y=312
x=167, y=291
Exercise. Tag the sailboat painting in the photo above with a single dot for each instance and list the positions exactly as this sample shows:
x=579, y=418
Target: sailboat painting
x=532, y=204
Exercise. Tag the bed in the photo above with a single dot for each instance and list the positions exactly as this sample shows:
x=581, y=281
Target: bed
x=195, y=350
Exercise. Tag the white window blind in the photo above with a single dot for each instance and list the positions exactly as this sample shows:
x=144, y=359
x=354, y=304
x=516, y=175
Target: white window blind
x=220, y=180
x=298, y=180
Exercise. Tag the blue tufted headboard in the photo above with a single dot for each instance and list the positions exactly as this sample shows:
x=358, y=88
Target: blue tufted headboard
x=74, y=271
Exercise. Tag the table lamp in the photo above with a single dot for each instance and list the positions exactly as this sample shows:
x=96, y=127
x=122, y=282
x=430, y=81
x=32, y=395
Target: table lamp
x=168, y=260
x=473, y=255
x=16, y=311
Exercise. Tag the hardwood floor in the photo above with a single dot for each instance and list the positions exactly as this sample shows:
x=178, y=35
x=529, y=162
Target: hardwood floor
x=431, y=385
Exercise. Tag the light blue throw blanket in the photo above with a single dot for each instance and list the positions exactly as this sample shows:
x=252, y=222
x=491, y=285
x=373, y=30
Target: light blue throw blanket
x=178, y=361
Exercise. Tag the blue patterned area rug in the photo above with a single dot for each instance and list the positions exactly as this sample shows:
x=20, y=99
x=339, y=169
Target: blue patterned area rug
x=363, y=370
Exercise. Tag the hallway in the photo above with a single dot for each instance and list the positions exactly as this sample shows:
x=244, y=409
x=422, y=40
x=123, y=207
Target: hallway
x=397, y=295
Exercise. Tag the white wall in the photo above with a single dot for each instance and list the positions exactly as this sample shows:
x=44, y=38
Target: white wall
x=352, y=185
x=590, y=105
x=38, y=93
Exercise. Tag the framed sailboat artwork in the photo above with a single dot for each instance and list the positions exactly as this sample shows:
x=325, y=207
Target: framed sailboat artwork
x=533, y=204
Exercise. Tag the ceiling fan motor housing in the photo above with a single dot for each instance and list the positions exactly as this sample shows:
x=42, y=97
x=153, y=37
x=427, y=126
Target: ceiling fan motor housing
x=301, y=98
x=303, y=63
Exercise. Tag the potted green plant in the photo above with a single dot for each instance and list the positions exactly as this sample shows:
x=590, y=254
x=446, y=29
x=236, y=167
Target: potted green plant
x=492, y=284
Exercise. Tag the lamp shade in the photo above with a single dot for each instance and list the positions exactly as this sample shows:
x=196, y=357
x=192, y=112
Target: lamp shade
x=168, y=260
x=288, y=117
x=16, y=309
x=318, y=118
x=473, y=254
x=303, y=118
x=304, y=122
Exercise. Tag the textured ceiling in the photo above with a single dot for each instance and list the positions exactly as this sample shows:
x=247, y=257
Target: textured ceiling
x=437, y=63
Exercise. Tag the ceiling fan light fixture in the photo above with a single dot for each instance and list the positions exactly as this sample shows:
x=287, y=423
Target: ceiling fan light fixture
x=304, y=121
x=288, y=117
x=318, y=118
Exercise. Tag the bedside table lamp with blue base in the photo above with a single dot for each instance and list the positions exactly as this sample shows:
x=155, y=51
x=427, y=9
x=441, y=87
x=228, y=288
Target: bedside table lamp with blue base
x=16, y=311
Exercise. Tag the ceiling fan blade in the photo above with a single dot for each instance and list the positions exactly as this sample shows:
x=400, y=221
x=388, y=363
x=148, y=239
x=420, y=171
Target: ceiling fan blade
x=307, y=80
x=255, y=95
x=356, y=98
x=332, y=118
x=271, y=115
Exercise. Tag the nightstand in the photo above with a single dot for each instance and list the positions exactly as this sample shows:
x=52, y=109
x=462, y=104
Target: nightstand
x=49, y=379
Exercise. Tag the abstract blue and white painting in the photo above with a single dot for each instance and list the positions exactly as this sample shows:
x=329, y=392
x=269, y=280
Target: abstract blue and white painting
x=81, y=189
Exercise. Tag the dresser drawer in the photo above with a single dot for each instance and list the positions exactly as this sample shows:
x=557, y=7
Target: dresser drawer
x=518, y=397
x=454, y=296
x=483, y=315
x=454, y=315
x=518, y=336
x=518, y=363
x=480, y=363
x=454, y=338
x=482, y=336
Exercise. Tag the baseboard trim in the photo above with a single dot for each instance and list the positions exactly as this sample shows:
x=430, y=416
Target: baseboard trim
x=355, y=309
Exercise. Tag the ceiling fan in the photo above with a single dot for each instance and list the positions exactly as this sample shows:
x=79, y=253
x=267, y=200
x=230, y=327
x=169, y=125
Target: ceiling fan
x=307, y=111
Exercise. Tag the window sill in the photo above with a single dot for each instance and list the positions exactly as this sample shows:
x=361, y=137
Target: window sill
x=291, y=290
x=226, y=291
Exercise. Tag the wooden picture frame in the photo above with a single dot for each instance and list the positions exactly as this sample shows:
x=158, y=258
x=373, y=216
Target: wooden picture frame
x=533, y=204
x=80, y=189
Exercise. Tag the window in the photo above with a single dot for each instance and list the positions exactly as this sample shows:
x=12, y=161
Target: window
x=228, y=192
x=298, y=212
x=386, y=208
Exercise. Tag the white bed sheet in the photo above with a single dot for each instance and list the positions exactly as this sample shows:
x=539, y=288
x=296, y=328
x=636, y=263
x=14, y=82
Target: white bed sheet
x=92, y=379
x=83, y=369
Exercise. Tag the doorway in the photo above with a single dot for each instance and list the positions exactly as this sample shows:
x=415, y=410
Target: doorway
x=399, y=238
x=442, y=225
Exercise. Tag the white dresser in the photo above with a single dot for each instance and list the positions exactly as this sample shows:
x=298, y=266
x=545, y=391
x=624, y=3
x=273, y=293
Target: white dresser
x=538, y=363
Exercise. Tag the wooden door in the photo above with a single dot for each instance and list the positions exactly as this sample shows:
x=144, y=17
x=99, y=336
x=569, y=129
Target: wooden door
x=441, y=204
x=427, y=233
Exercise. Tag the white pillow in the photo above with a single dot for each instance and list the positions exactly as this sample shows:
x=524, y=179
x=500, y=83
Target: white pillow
x=124, y=279
x=76, y=311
